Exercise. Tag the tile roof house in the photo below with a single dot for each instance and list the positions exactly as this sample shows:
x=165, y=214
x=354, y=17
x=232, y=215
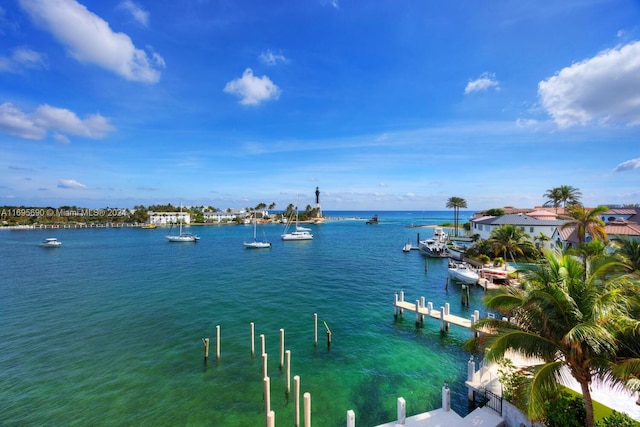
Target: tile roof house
x=531, y=225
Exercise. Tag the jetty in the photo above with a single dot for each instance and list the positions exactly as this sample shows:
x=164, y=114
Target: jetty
x=442, y=314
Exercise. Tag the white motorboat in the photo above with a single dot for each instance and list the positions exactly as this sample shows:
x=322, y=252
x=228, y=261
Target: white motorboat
x=298, y=233
x=461, y=272
x=435, y=246
x=182, y=237
x=51, y=242
x=256, y=244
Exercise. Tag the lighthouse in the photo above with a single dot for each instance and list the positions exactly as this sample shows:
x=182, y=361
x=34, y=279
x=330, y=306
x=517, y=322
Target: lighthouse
x=318, y=210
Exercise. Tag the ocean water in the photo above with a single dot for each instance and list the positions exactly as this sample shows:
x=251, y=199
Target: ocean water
x=107, y=330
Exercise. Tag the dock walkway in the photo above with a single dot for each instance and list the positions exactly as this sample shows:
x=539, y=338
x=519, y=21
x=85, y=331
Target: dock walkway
x=443, y=314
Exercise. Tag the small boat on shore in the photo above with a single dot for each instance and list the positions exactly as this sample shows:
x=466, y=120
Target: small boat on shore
x=51, y=242
x=149, y=226
x=462, y=272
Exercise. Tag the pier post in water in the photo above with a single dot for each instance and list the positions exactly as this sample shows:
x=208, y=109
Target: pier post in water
x=205, y=341
x=288, y=371
x=351, y=418
x=267, y=395
x=307, y=409
x=218, y=342
x=419, y=318
x=402, y=410
x=281, y=348
x=315, y=329
x=296, y=400
x=395, y=306
x=471, y=370
x=271, y=419
x=264, y=364
x=263, y=347
x=446, y=397
x=253, y=339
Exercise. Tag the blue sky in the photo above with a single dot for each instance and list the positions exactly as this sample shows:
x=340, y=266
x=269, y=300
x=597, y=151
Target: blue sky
x=384, y=105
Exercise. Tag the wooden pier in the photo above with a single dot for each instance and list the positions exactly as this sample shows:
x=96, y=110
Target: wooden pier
x=443, y=314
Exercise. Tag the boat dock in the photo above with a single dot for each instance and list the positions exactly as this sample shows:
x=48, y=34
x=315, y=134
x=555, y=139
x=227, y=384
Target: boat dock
x=423, y=310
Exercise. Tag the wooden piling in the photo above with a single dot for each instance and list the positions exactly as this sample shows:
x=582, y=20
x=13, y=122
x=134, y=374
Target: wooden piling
x=296, y=400
x=205, y=341
x=218, y=342
x=281, y=348
x=307, y=409
x=253, y=339
x=264, y=364
x=328, y=334
x=315, y=328
x=351, y=418
x=288, y=371
x=267, y=395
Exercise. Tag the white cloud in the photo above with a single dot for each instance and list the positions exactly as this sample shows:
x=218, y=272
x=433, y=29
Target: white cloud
x=485, y=82
x=252, y=90
x=20, y=59
x=47, y=118
x=605, y=88
x=270, y=58
x=629, y=165
x=70, y=183
x=138, y=13
x=89, y=39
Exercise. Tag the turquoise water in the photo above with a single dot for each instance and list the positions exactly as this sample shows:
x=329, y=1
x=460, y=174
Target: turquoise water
x=107, y=330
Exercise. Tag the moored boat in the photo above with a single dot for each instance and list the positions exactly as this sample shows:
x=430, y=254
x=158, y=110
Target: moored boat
x=182, y=237
x=51, y=242
x=256, y=244
x=435, y=246
x=298, y=233
x=461, y=272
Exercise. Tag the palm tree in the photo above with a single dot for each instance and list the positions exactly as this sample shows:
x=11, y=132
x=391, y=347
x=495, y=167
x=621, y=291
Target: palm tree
x=553, y=198
x=566, y=194
x=565, y=321
x=587, y=221
x=456, y=203
x=509, y=239
x=628, y=251
x=542, y=238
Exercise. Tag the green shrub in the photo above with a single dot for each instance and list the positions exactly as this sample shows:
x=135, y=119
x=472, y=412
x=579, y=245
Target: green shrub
x=617, y=419
x=565, y=411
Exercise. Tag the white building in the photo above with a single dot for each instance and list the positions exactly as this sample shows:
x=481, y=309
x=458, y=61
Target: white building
x=167, y=218
x=532, y=226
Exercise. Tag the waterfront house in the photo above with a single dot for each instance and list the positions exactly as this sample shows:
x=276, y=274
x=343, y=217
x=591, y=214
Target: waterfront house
x=534, y=226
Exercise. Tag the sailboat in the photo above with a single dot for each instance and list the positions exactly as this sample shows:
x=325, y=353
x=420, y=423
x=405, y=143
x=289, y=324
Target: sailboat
x=299, y=233
x=182, y=237
x=256, y=244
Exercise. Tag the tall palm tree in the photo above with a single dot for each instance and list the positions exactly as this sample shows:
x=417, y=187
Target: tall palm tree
x=553, y=198
x=586, y=221
x=511, y=240
x=456, y=203
x=565, y=194
x=566, y=322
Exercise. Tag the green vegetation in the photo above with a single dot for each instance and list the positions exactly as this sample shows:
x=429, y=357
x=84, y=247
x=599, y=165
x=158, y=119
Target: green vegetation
x=583, y=320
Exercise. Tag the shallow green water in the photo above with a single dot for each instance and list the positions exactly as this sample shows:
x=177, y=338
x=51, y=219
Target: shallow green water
x=107, y=329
